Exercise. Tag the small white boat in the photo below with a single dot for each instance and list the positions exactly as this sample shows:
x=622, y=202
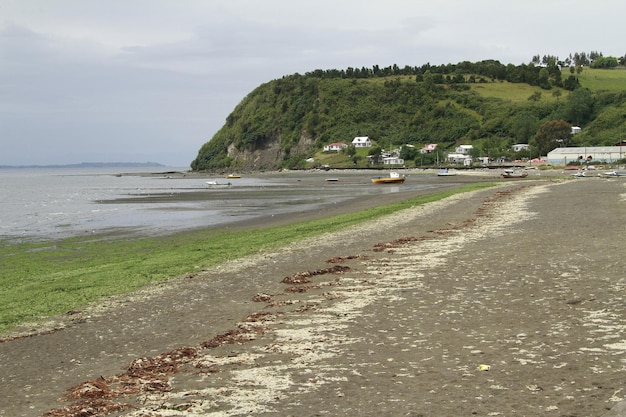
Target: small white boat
x=614, y=174
x=215, y=184
x=514, y=173
x=444, y=172
x=393, y=178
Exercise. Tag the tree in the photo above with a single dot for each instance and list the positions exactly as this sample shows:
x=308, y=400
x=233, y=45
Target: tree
x=408, y=153
x=426, y=159
x=605, y=62
x=544, y=79
x=375, y=152
x=579, y=106
x=525, y=127
x=551, y=134
x=571, y=83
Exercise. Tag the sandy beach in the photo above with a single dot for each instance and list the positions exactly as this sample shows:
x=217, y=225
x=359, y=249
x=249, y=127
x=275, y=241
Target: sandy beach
x=502, y=302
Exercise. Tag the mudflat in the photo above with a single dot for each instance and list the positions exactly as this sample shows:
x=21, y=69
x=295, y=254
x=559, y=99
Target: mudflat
x=507, y=301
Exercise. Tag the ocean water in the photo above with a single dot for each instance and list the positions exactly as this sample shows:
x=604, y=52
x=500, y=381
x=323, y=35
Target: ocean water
x=48, y=203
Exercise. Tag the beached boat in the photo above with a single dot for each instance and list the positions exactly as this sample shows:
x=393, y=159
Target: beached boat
x=393, y=178
x=514, y=173
x=614, y=174
x=216, y=184
x=444, y=172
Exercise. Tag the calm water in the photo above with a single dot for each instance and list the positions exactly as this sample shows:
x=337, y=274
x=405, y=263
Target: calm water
x=60, y=202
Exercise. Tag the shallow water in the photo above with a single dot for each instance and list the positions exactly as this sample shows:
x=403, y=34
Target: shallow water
x=62, y=202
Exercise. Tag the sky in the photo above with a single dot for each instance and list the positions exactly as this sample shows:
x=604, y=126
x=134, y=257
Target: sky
x=153, y=80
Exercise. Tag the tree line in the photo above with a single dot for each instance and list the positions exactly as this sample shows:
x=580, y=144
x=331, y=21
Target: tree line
x=543, y=72
x=593, y=59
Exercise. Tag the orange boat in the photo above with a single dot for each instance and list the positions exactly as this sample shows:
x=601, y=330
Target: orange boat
x=393, y=178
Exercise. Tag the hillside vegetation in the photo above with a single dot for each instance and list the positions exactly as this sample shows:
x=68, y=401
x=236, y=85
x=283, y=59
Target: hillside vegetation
x=284, y=122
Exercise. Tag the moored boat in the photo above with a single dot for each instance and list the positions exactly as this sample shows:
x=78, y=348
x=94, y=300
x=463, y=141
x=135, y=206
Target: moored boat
x=445, y=172
x=514, y=173
x=614, y=174
x=216, y=184
x=393, y=178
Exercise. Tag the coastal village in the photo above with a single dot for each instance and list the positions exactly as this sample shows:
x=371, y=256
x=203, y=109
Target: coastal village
x=462, y=155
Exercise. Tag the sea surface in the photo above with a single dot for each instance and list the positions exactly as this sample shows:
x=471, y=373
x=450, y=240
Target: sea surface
x=50, y=203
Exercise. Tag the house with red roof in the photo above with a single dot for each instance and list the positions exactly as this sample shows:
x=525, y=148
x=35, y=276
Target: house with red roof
x=335, y=147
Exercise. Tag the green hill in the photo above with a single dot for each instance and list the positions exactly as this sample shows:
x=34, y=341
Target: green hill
x=284, y=122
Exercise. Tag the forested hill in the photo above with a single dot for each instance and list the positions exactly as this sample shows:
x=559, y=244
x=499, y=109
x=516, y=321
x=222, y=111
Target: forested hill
x=489, y=105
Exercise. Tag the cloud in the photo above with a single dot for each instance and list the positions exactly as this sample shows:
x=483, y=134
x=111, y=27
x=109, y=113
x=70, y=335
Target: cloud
x=157, y=78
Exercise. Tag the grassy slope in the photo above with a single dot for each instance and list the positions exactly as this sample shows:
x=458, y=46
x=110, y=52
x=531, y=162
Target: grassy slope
x=44, y=279
x=593, y=79
x=598, y=79
x=514, y=93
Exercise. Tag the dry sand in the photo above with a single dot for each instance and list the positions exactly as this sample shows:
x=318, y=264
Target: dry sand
x=504, y=302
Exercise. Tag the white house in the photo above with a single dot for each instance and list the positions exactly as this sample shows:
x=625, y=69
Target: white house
x=607, y=154
x=335, y=146
x=464, y=149
x=459, y=158
x=362, y=142
x=521, y=147
x=393, y=160
x=576, y=130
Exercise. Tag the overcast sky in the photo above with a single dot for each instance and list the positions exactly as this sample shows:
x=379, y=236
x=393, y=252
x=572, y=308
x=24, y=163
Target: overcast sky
x=152, y=80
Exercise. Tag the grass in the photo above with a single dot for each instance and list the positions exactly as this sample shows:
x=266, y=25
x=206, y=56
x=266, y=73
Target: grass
x=593, y=79
x=603, y=79
x=514, y=92
x=40, y=279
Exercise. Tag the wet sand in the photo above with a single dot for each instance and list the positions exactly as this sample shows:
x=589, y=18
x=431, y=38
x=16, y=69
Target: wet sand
x=394, y=317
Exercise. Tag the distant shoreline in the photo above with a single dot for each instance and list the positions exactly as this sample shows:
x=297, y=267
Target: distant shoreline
x=90, y=165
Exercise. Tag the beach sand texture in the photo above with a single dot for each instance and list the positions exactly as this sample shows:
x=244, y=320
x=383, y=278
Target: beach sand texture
x=502, y=302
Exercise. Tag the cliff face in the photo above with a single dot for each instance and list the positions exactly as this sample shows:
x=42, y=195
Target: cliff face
x=267, y=154
x=264, y=156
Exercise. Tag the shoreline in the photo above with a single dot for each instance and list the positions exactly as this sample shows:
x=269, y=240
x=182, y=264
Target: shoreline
x=488, y=278
x=172, y=207
x=178, y=203
x=199, y=236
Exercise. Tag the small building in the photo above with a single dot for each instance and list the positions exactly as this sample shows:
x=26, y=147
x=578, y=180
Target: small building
x=606, y=154
x=362, y=142
x=464, y=149
x=521, y=147
x=458, y=158
x=335, y=147
x=576, y=130
x=393, y=160
x=430, y=148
